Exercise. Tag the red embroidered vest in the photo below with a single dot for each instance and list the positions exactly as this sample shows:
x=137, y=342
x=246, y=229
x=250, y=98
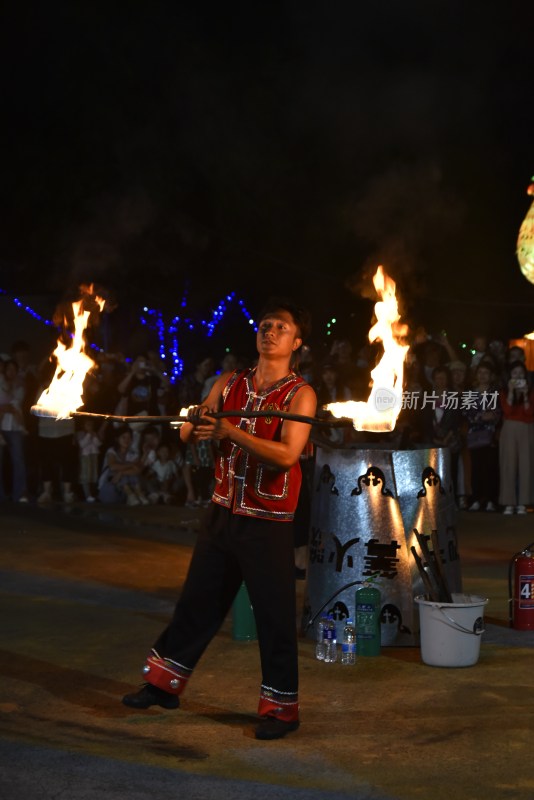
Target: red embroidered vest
x=241, y=481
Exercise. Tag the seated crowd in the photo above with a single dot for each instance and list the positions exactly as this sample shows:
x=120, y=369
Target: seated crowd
x=481, y=407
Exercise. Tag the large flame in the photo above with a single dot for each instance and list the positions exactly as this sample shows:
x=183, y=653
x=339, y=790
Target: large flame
x=65, y=393
x=382, y=408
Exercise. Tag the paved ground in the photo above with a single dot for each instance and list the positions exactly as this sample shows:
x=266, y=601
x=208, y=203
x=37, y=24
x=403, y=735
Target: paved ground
x=84, y=592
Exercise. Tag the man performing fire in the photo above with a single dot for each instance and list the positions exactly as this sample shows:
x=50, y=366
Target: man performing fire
x=249, y=535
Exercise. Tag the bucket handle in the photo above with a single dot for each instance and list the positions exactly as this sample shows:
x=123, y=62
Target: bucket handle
x=458, y=627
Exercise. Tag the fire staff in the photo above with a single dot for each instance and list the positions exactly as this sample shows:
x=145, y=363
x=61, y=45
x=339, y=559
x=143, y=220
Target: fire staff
x=249, y=535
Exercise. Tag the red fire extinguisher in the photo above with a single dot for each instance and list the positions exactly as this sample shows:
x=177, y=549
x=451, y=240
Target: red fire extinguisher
x=521, y=589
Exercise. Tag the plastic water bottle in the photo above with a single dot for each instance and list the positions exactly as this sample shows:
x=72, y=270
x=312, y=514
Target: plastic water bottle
x=348, y=646
x=368, y=602
x=330, y=646
x=320, y=646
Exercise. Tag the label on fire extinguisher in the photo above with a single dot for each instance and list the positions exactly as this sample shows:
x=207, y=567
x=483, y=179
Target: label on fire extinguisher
x=526, y=591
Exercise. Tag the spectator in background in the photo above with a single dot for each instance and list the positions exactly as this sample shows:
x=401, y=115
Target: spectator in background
x=497, y=352
x=148, y=447
x=442, y=423
x=139, y=389
x=430, y=353
x=27, y=376
x=307, y=364
x=349, y=373
x=483, y=417
x=199, y=460
x=165, y=399
x=56, y=447
x=516, y=442
x=330, y=387
x=89, y=441
x=410, y=421
x=228, y=364
x=479, y=351
x=458, y=373
x=177, y=455
x=3, y=358
x=100, y=393
x=57, y=453
x=191, y=387
x=458, y=376
x=13, y=431
x=148, y=452
x=514, y=353
x=139, y=393
x=100, y=390
x=120, y=479
x=162, y=476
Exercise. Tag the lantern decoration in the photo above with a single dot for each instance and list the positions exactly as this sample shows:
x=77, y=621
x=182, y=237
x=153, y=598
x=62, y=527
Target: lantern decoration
x=525, y=241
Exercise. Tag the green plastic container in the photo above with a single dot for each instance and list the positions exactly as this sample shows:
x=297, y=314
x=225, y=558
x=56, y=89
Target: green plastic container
x=243, y=622
x=368, y=603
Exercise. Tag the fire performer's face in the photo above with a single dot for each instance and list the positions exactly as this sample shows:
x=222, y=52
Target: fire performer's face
x=278, y=335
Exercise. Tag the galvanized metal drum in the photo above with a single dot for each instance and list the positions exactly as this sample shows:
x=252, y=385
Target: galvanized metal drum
x=366, y=504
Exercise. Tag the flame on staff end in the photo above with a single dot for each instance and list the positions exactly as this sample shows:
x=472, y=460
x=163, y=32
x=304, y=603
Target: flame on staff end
x=184, y=412
x=380, y=412
x=64, y=394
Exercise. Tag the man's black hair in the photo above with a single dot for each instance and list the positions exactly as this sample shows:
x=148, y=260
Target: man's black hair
x=301, y=317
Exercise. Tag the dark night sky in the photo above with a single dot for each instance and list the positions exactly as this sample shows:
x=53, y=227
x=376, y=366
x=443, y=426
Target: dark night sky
x=271, y=148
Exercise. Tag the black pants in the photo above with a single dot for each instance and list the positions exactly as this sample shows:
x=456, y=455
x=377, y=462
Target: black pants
x=234, y=548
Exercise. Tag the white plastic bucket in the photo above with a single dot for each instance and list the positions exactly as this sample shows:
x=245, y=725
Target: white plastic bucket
x=451, y=632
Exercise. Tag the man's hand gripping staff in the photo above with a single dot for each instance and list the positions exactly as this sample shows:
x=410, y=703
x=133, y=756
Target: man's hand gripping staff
x=207, y=424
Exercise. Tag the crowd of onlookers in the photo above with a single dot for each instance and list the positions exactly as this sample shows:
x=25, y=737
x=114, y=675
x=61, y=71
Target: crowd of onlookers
x=89, y=458
x=478, y=401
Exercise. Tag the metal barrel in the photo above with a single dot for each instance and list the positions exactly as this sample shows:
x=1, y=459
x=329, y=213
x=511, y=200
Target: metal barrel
x=366, y=504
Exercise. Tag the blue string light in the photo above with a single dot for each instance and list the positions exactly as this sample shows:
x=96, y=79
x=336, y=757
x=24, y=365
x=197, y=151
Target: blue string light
x=168, y=335
x=39, y=317
x=31, y=311
x=167, y=342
